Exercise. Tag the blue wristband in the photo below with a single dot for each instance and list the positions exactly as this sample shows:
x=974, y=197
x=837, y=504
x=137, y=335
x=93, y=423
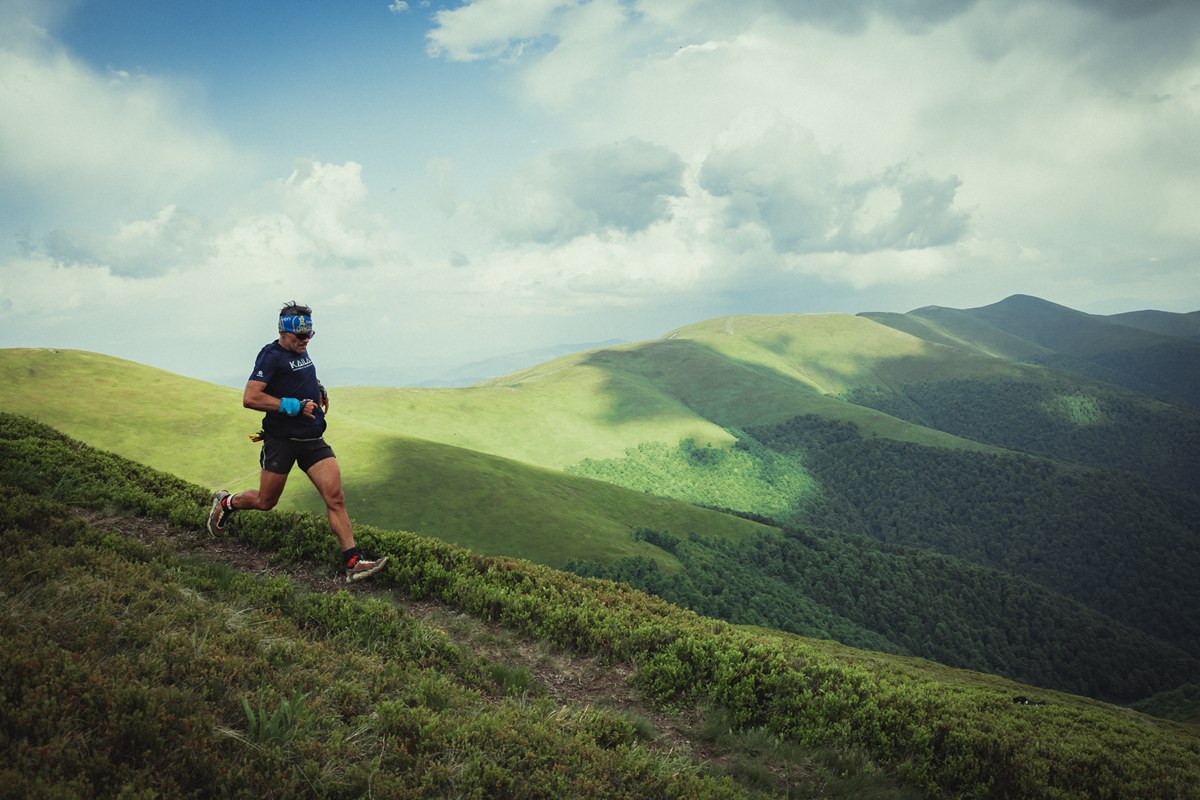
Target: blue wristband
x=289, y=406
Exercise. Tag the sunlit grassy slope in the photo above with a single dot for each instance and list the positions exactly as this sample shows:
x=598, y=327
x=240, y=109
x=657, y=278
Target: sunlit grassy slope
x=553, y=415
x=696, y=383
x=956, y=328
x=836, y=352
x=192, y=428
x=498, y=506
x=510, y=437
x=198, y=431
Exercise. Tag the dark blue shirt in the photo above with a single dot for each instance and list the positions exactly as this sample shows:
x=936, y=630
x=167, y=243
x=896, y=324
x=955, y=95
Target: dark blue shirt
x=289, y=374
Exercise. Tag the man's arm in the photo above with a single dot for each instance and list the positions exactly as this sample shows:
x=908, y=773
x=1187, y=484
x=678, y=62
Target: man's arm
x=256, y=398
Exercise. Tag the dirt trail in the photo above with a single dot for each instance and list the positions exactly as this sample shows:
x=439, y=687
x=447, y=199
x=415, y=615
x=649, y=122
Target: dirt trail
x=564, y=677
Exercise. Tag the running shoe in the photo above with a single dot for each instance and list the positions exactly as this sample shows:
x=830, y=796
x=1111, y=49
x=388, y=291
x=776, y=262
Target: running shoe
x=217, y=515
x=361, y=568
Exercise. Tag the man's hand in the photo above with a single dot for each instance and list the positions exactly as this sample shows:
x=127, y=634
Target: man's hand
x=308, y=408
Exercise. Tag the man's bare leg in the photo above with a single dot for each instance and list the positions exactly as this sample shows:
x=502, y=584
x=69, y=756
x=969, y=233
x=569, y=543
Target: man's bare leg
x=326, y=475
x=265, y=497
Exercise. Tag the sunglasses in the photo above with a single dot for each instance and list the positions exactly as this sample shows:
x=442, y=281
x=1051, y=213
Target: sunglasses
x=305, y=335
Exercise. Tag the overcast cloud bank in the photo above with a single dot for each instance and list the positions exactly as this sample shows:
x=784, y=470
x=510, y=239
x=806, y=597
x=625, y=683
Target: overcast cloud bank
x=701, y=158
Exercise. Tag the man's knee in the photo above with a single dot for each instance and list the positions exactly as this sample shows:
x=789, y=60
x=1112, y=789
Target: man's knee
x=335, y=498
x=266, y=503
x=255, y=501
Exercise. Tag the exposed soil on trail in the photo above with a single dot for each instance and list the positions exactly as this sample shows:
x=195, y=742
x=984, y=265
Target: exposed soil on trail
x=566, y=678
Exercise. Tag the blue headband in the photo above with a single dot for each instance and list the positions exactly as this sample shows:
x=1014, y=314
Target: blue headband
x=295, y=324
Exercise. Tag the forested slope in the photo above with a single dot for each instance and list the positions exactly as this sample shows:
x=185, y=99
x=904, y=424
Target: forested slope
x=1065, y=577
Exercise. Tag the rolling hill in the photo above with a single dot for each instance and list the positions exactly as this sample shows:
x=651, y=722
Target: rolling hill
x=140, y=662
x=199, y=432
x=880, y=438
x=1140, y=351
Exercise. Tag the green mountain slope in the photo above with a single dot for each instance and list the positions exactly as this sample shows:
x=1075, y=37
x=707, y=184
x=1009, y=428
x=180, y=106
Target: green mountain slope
x=1067, y=419
x=599, y=403
x=531, y=464
x=199, y=432
x=1095, y=347
x=133, y=667
x=1118, y=547
x=173, y=423
x=498, y=506
x=1123, y=547
x=905, y=600
x=1184, y=326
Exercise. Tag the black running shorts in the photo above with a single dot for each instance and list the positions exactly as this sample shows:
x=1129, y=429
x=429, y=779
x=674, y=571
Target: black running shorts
x=278, y=455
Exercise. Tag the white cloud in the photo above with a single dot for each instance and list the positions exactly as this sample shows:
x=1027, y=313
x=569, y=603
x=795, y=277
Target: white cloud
x=916, y=130
x=328, y=204
x=492, y=28
x=774, y=175
x=565, y=194
x=316, y=217
x=80, y=142
x=698, y=155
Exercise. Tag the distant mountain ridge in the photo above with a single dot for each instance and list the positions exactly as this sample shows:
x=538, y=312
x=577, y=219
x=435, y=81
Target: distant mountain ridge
x=1154, y=352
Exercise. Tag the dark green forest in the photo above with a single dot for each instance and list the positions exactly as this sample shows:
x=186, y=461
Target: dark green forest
x=1118, y=544
x=1062, y=575
x=1092, y=426
x=905, y=601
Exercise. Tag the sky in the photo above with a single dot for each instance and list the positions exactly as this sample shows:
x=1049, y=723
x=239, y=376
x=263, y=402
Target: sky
x=445, y=182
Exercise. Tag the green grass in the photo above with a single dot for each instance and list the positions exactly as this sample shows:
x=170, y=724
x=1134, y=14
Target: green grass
x=957, y=328
x=127, y=666
x=494, y=505
x=498, y=506
x=130, y=672
x=553, y=415
x=167, y=421
x=481, y=466
x=833, y=352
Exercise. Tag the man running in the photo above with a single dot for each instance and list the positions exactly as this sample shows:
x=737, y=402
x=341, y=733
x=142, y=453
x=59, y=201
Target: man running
x=284, y=386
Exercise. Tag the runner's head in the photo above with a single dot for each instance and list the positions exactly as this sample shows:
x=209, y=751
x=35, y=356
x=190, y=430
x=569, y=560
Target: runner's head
x=295, y=318
x=295, y=326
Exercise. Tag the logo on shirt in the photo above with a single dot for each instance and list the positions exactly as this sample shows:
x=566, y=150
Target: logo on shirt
x=300, y=363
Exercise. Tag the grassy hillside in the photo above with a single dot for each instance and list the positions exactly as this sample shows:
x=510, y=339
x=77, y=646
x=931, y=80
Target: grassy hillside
x=686, y=417
x=498, y=506
x=199, y=432
x=135, y=668
x=1141, y=357
x=957, y=328
x=664, y=419
x=551, y=415
x=1185, y=326
x=831, y=352
x=694, y=384
x=189, y=427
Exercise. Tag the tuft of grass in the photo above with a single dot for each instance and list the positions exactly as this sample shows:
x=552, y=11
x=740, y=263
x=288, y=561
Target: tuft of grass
x=275, y=727
x=513, y=681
